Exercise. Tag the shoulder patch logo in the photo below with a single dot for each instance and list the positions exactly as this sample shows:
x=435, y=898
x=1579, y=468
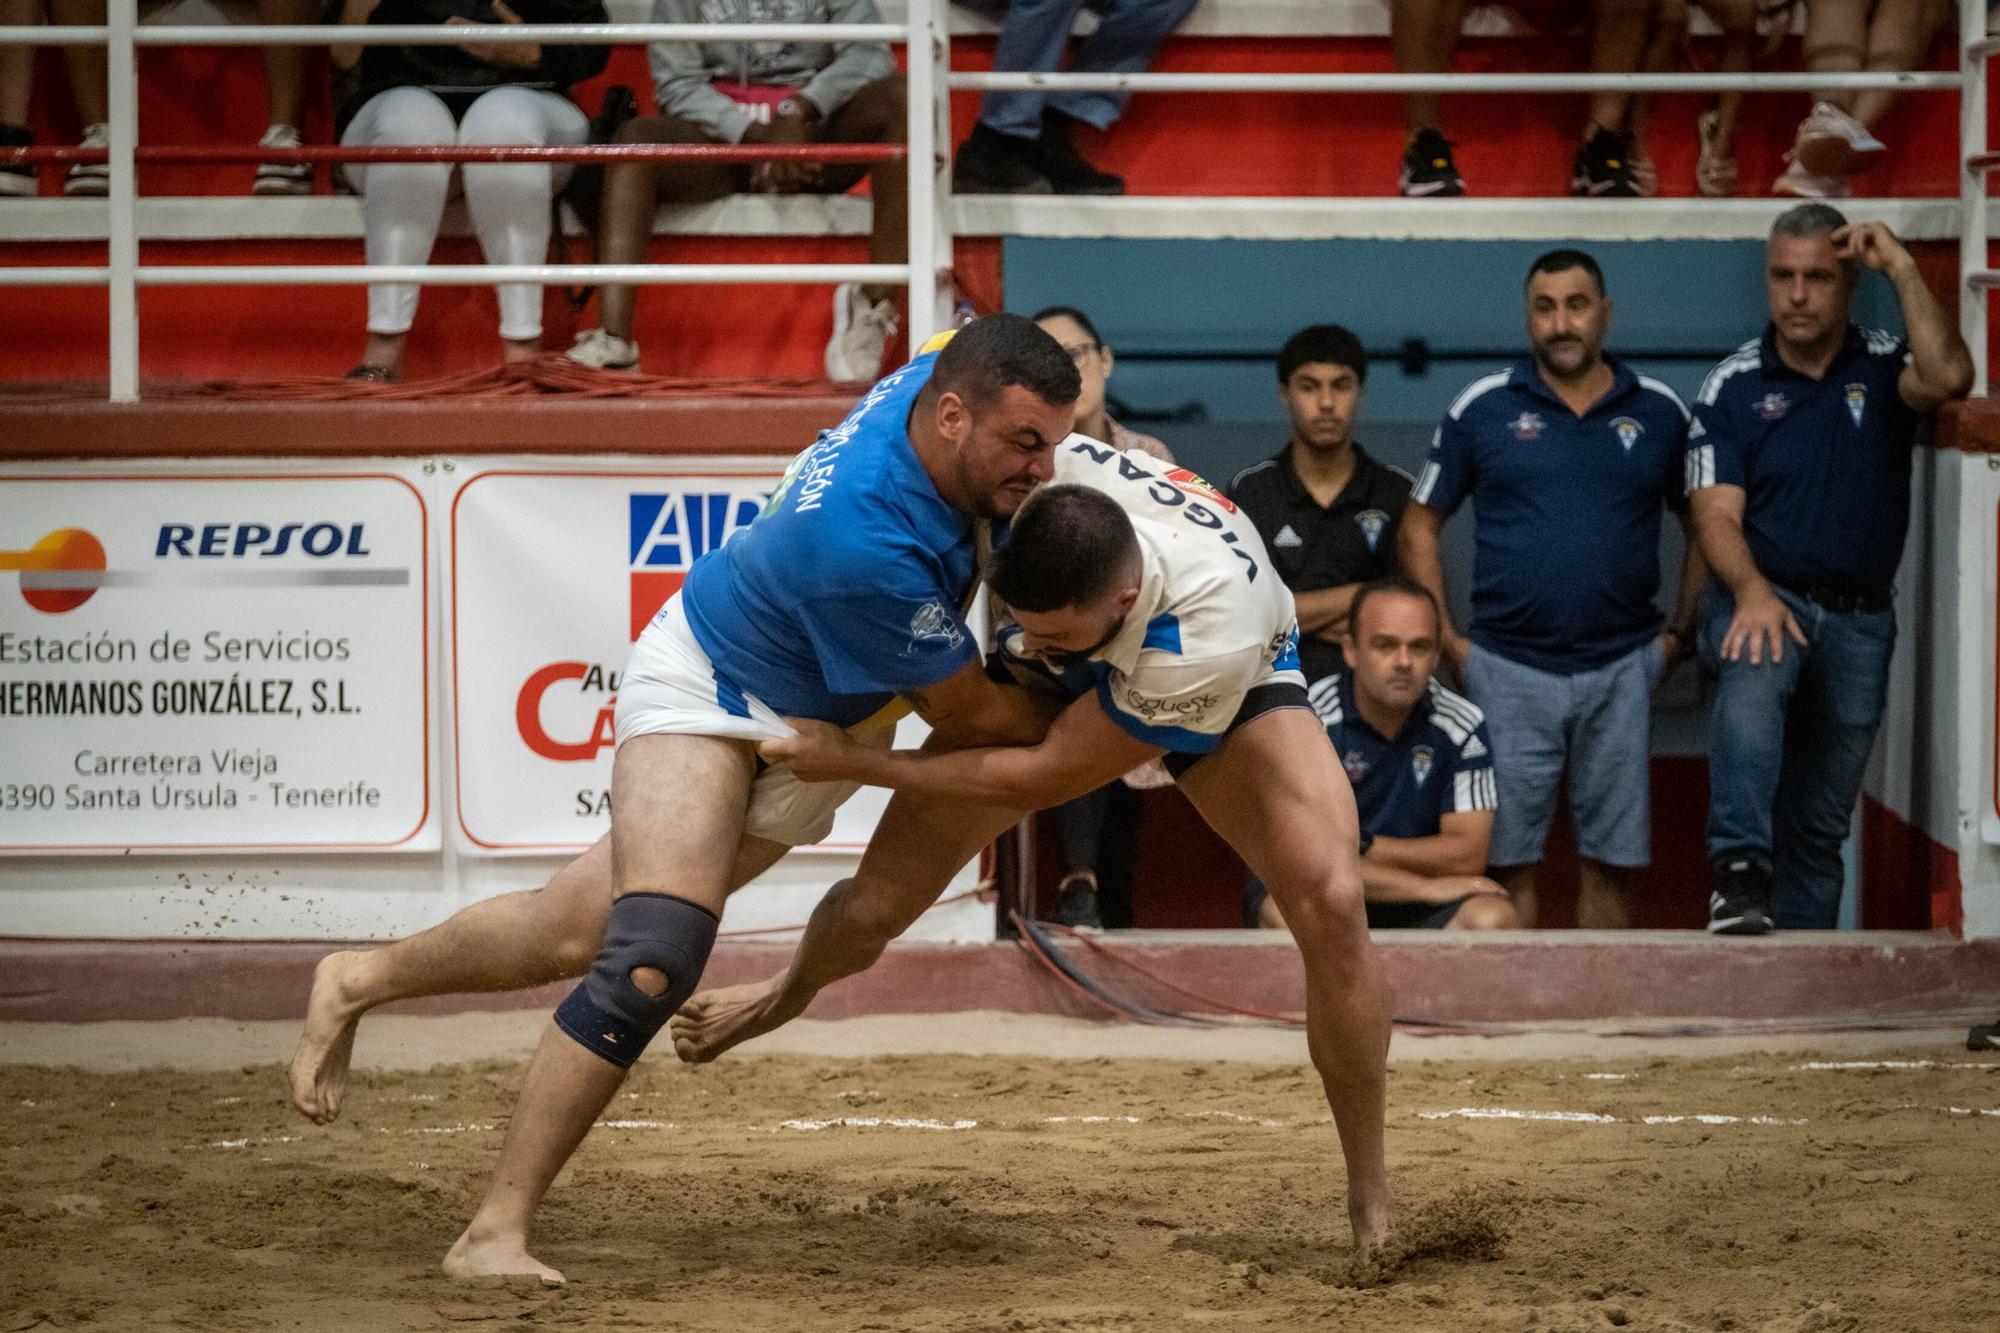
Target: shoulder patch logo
x=933, y=623
x=1857, y=401
x=1527, y=426
x=1629, y=432
x=1474, y=748
x=1287, y=538
x=1373, y=523
x=1421, y=762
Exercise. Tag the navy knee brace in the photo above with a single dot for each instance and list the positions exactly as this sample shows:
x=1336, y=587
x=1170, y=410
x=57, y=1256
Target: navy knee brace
x=609, y=1016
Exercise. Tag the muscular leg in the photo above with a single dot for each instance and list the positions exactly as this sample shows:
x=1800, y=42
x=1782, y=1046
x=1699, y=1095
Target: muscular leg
x=1618, y=32
x=676, y=819
x=505, y=943
x=1276, y=793
x=914, y=852
x=633, y=193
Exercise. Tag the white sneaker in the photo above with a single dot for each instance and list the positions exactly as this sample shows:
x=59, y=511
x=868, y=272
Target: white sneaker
x=1803, y=184
x=282, y=177
x=92, y=179
x=604, y=351
x=1714, y=170
x=1833, y=143
x=861, y=332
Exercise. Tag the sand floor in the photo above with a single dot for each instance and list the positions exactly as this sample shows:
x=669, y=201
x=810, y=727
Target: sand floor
x=1579, y=1184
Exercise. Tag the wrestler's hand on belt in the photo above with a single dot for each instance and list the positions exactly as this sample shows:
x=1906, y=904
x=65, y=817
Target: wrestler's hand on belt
x=815, y=751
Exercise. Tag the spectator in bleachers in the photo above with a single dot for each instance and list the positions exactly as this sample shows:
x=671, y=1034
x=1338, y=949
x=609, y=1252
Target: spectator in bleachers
x=1799, y=476
x=85, y=66
x=1569, y=459
x=1837, y=139
x=1099, y=832
x=787, y=92
x=477, y=93
x=1421, y=765
x=1423, y=36
x=285, y=70
x=1078, y=336
x=1328, y=513
x=1021, y=143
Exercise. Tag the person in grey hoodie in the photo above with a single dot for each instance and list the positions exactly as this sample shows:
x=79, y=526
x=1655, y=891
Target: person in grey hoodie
x=780, y=92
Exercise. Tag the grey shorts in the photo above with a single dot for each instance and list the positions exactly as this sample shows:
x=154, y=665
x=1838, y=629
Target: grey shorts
x=1596, y=723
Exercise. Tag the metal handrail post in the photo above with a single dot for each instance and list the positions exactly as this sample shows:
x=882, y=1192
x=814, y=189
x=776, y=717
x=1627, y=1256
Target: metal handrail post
x=1972, y=244
x=924, y=89
x=122, y=80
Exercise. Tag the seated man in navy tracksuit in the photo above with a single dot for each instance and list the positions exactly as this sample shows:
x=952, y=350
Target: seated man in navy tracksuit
x=1422, y=769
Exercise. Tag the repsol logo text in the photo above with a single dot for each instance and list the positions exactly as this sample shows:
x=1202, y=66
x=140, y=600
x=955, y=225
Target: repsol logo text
x=211, y=541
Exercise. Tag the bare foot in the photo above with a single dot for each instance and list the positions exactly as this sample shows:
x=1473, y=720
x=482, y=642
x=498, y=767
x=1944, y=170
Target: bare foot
x=318, y=1072
x=716, y=1020
x=1371, y=1232
x=496, y=1256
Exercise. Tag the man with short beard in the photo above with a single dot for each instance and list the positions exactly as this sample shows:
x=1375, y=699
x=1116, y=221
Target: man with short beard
x=1569, y=459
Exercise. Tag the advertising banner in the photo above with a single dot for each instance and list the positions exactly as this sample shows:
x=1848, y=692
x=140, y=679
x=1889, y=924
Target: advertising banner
x=553, y=574
x=223, y=661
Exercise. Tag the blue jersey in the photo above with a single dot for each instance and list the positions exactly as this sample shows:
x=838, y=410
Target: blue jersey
x=846, y=590
x=1441, y=762
x=1824, y=464
x=1567, y=554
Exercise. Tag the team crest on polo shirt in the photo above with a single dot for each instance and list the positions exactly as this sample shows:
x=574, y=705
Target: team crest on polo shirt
x=1421, y=760
x=1629, y=432
x=1373, y=522
x=1857, y=401
x=1527, y=426
x=1773, y=406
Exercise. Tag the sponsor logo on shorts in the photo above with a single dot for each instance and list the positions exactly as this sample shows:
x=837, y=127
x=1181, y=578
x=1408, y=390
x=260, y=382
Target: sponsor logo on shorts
x=934, y=624
x=1188, y=708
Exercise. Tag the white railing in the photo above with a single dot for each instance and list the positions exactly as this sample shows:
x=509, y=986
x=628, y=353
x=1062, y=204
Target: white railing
x=930, y=81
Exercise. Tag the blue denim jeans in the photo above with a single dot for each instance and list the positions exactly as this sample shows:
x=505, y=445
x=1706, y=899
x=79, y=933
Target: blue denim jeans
x=1789, y=745
x=1033, y=34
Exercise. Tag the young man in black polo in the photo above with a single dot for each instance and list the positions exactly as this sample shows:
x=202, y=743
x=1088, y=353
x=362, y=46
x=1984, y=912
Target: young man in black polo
x=1798, y=474
x=1327, y=512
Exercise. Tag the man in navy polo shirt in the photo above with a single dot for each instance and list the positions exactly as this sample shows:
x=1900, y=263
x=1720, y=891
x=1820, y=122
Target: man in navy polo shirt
x=1798, y=472
x=1422, y=768
x=1569, y=459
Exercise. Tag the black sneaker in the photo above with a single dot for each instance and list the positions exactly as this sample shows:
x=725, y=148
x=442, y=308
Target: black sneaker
x=1068, y=171
x=1076, y=903
x=1428, y=170
x=1985, y=1037
x=1740, y=901
x=990, y=162
x=17, y=182
x=1603, y=168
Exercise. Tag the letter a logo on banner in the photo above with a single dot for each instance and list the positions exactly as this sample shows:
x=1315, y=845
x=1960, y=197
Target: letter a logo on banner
x=669, y=532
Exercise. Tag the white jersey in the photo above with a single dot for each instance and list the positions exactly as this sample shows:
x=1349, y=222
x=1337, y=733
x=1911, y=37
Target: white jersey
x=1213, y=620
